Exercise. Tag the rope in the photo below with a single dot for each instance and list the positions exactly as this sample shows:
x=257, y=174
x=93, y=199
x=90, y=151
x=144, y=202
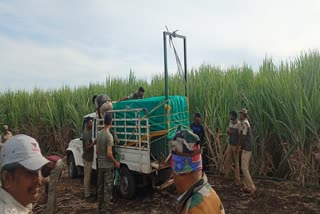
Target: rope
x=180, y=69
x=132, y=136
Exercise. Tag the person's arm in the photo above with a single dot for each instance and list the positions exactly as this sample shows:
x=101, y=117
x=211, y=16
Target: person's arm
x=46, y=169
x=87, y=140
x=229, y=132
x=126, y=98
x=115, y=137
x=202, y=135
x=90, y=144
x=110, y=156
x=243, y=134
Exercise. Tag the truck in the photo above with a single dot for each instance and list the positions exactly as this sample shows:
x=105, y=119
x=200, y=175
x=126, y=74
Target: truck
x=143, y=129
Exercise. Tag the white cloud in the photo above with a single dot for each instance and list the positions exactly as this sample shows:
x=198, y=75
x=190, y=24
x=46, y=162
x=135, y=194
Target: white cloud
x=64, y=42
x=26, y=65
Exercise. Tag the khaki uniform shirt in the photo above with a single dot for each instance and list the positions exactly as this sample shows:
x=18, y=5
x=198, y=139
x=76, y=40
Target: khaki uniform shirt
x=245, y=130
x=104, y=139
x=9, y=205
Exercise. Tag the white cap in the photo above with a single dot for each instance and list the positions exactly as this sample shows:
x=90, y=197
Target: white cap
x=24, y=150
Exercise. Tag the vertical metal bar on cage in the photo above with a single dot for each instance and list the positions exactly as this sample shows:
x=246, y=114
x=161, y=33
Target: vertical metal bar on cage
x=185, y=65
x=166, y=77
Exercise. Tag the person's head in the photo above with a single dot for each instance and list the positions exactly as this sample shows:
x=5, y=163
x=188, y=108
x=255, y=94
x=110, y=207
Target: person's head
x=107, y=119
x=5, y=128
x=21, y=161
x=140, y=92
x=88, y=121
x=197, y=117
x=186, y=160
x=243, y=114
x=233, y=115
x=94, y=99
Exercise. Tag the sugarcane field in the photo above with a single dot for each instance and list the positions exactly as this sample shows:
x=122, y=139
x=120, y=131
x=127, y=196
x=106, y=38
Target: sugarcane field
x=145, y=107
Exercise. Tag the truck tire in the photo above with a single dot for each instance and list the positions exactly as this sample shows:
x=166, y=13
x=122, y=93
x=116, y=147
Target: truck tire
x=127, y=185
x=72, y=168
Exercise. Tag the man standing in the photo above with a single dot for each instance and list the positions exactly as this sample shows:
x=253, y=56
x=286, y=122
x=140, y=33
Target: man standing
x=245, y=142
x=197, y=195
x=21, y=161
x=233, y=148
x=198, y=129
x=87, y=158
x=106, y=162
x=138, y=95
x=52, y=172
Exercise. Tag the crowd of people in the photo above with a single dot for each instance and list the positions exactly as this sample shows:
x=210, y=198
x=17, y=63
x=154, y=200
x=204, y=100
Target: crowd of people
x=238, y=148
x=24, y=169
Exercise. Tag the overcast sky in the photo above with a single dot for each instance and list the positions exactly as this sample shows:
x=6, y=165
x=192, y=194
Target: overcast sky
x=48, y=44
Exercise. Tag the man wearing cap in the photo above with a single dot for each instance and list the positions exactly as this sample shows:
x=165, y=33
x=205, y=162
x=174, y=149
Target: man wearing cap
x=87, y=157
x=233, y=148
x=138, y=95
x=7, y=134
x=21, y=161
x=245, y=142
x=196, y=193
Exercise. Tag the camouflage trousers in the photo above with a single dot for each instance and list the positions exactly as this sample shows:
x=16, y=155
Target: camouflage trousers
x=105, y=185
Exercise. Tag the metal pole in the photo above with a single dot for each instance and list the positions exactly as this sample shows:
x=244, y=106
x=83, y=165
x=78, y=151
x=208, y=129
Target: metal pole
x=166, y=78
x=185, y=66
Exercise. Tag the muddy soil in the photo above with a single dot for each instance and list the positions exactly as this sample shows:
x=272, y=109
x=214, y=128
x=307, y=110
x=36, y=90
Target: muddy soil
x=271, y=197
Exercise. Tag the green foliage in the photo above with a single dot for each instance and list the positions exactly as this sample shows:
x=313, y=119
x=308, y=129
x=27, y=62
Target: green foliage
x=283, y=103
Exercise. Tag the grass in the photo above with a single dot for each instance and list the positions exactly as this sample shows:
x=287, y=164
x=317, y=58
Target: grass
x=283, y=103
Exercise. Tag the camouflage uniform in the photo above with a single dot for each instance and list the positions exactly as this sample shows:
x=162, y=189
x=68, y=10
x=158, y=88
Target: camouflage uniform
x=201, y=198
x=185, y=160
x=105, y=185
x=105, y=167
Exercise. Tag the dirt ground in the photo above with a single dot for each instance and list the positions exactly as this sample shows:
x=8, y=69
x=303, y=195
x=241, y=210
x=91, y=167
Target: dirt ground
x=271, y=197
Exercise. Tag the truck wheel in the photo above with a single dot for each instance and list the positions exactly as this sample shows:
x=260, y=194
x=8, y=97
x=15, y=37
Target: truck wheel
x=72, y=168
x=127, y=185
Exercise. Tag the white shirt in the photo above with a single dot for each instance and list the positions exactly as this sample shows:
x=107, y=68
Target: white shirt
x=9, y=205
